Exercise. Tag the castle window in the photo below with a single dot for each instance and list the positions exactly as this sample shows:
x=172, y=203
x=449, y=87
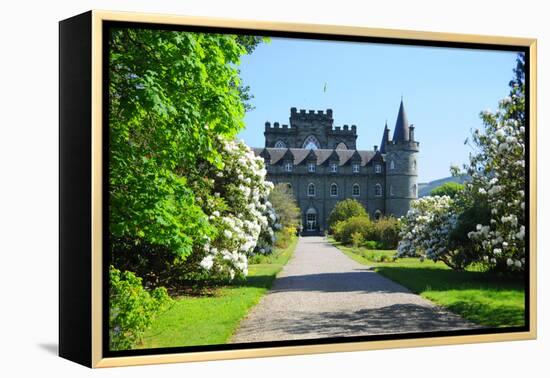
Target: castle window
x=280, y=144
x=377, y=215
x=392, y=164
x=378, y=190
x=311, y=143
x=288, y=167
x=341, y=146
x=414, y=190
x=333, y=167
x=311, y=190
x=391, y=190
x=355, y=168
x=333, y=190
x=414, y=164
x=377, y=168
x=311, y=167
x=355, y=190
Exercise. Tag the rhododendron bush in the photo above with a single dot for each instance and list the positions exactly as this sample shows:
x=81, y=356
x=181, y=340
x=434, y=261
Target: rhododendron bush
x=236, y=199
x=426, y=231
x=498, y=179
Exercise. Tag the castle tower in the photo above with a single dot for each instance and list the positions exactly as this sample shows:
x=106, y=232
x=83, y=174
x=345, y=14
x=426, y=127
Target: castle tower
x=401, y=166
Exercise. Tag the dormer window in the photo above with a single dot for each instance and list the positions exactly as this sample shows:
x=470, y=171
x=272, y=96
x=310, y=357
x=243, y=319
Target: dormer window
x=333, y=167
x=280, y=144
x=377, y=168
x=311, y=167
x=288, y=167
x=355, y=168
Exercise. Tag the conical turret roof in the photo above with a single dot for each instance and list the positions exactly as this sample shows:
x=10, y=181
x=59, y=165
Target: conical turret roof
x=401, y=131
x=385, y=137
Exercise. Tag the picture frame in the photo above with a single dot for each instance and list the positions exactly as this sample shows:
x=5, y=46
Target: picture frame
x=84, y=218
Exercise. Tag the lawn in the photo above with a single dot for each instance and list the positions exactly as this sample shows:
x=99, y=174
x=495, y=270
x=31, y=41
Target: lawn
x=207, y=320
x=484, y=298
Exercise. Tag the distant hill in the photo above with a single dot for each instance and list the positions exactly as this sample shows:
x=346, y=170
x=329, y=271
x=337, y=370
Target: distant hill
x=425, y=188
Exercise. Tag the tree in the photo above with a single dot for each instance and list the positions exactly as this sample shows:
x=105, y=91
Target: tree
x=170, y=94
x=498, y=175
x=283, y=201
x=450, y=189
x=343, y=210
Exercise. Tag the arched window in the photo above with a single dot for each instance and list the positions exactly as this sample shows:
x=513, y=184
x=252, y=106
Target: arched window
x=414, y=190
x=392, y=164
x=311, y=190
x=333, y=190
x=355, y=190
x=378, y=190
x=377, y=215
x=311, y=143
x=280, y=144
x=414, y=164
x=341, y=146
x=391, y=190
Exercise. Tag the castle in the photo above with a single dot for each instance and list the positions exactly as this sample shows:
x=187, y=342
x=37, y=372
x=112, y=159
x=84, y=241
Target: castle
x=322, y=165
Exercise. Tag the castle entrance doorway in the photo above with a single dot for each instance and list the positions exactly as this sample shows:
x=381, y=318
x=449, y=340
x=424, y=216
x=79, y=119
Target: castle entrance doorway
x=311, y=219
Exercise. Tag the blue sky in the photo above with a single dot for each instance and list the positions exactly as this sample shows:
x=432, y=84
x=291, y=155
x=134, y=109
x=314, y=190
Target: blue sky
x=443, y=91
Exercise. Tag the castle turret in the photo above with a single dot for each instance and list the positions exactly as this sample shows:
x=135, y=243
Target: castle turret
x=385, y=139
x=401, y=166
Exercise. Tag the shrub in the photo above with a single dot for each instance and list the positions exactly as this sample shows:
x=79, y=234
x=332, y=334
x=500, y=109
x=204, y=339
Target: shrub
x=386, y=232
x=284, y=237
x=131, y=308
x=343, y=211
x=343, y=230
x=372, y=244
x=357, y=239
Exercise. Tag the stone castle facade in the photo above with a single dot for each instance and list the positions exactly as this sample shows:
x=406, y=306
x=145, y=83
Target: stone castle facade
x=322, y=165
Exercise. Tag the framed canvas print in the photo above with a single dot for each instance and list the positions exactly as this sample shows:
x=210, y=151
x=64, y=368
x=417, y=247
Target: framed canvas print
x=234, y=189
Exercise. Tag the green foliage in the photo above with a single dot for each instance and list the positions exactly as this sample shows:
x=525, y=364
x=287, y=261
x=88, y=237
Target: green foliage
x=284, y=237
x=386, y=232
x=344, y=230
x=450, y=189
x=131, y=308
x=170, y=94
x=283, y=201
x=380, y=234
x=343, y=211
x=357, y=239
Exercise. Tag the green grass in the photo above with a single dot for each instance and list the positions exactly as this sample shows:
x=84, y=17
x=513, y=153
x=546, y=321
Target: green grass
x=211, y=320
x=484, y=298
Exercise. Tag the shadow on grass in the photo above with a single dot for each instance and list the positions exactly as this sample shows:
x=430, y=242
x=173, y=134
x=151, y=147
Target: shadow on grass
x=437, y=279
x=490, y=315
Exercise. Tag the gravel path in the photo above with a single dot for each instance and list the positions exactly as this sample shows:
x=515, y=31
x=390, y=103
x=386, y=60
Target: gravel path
x=323, y=293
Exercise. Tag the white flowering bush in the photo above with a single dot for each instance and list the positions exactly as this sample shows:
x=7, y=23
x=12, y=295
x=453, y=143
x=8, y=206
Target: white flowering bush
x=426, y=231
x=235, y=197
x=497, y=169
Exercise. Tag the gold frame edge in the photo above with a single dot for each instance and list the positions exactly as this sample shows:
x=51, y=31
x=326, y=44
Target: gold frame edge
x=98, y=16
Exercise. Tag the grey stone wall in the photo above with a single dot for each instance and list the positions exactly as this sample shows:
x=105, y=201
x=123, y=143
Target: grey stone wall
x=402, y=179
